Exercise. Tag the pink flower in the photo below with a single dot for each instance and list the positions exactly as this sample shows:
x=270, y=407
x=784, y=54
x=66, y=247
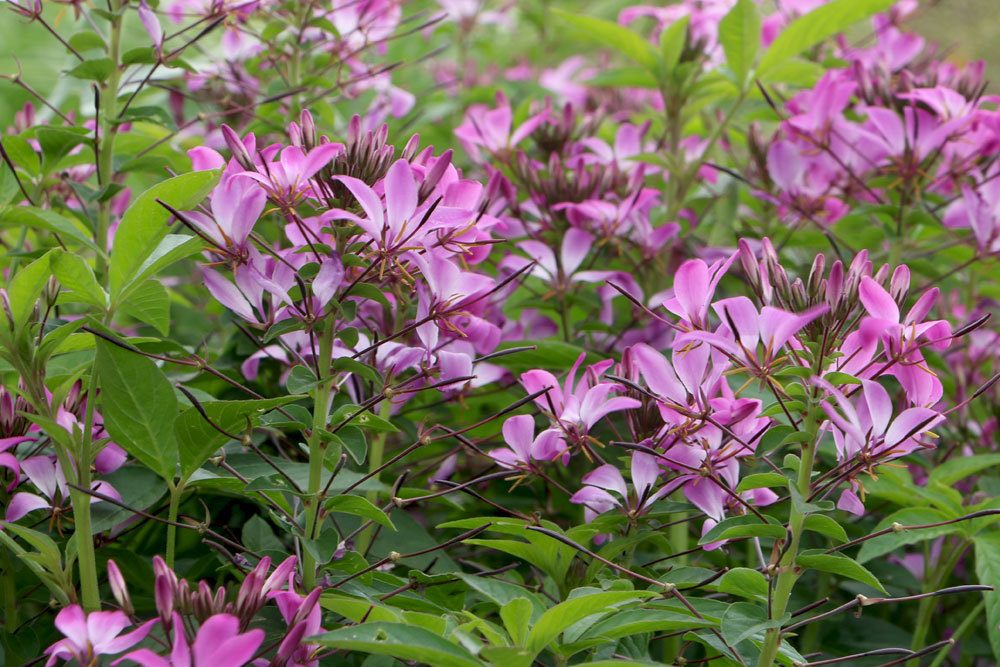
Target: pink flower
x=90, y=635
x=286, y=179
x=237, y=204
x=694, y=286
x=577, y=406
x=605, y=487
x=152, y=26
x=523, y=447
x=865, y=429
x=492, y=129
x=218, y=643
x=46, y=475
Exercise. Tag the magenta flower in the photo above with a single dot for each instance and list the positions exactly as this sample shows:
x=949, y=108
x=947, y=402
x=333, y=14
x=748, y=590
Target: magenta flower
x=605, y=488
x=864, y=429
x=903, y=337
x=401, y=221
x=524, y=447
x=237, y=204
x=218, y=643
x=88, y=636
x=46, y=475
x=492, y=129
x=694, y=286
x=744, y=329
x=577, y=406
x=286, y=180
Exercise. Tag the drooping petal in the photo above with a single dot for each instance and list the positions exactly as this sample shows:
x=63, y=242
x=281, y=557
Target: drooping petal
x=909, y=423
x=400, y=195
x=518, y=433
x=608, y=478
x=645, y=472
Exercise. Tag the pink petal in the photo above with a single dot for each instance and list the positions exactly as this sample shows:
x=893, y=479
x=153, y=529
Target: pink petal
x=400, y=195
x=608, y=478
x=877, y=301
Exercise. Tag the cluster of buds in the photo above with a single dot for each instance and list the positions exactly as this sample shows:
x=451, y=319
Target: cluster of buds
x=567, y=180
x=561, y=131
x=177, y=595
x=836, y=288
x=12, y=421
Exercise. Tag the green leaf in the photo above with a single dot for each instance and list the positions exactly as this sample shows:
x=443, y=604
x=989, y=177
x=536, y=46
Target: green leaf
x=46, y=220
x=762, y=480
x=838, y=564
x=825, y=525
x=172, y=248
x=961, y=467
x=988, y=572
x=516, y=617
x=743, y=620
x=301, y=380
x=551, y=624
x=403, y=642
x=619, y=38
x=197, y=440
x=144, y=225
x=744, y=582
x=672, y=41
x=149, y=303
x=640, y=621
x=324, y=547
x=57, y=142
x=77, y=278
x=909, y=516
x=822, y=23
x=139, y=407
x=743, y=526
x=26, y=286
x=98, y=69
x=739, y=34
x=359, y=506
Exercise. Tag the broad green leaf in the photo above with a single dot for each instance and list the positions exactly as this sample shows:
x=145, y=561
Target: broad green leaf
x=144, y=225
x=909, y=516
x=672, y=41
x=501, y=592
x=961, y=467
x=838, y=564
x=46, y=220
x=744, y=582
x=743, y=620
x=197, y=440
x=359, y=506
x=57, y=142
x=739, y=34
x=77, y=278
x=638, y=621
x=551, y=624
x=149, y=303
x=743, y=526
x=172, y=248
x=825, y=525
x=516, y=617
x=621, y=39
x=403, y=642
x=26, y=286
x=301, y=379
x=97, y=69
x=822, y=23
x=761, y=480
x=988, y=572
x=139, y=407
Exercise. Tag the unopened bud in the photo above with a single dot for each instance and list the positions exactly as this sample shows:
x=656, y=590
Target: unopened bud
x=237, y=148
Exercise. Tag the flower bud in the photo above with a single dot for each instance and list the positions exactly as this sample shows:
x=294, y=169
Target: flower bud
x=237, y=148
x=899, y=284
x=119, y=589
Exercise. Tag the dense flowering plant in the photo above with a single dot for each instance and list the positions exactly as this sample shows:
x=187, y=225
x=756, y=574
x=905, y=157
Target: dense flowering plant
x=373, y=332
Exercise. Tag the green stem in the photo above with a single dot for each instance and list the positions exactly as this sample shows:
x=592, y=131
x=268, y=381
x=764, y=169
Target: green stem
x=376, y=455
x=925, y=612
x=317, y=450
x=787, y=572
x=81, y=503
x=960, y=631
x=108, y=130
x=176, y=490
